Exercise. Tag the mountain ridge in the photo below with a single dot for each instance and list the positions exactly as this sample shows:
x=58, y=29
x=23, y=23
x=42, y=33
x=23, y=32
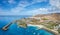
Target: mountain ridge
x=51, y=16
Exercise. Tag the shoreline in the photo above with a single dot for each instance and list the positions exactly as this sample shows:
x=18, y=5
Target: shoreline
x=42, y=27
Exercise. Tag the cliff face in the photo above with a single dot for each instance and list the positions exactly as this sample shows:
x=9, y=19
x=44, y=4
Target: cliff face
x=52, y=16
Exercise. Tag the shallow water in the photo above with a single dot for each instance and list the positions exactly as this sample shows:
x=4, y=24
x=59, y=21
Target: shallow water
x=14, y=30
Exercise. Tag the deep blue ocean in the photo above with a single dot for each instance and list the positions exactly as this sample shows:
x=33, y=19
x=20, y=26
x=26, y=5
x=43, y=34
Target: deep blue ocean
x=14, y=30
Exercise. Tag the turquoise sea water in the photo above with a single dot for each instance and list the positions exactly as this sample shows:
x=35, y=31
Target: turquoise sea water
x=14, y=30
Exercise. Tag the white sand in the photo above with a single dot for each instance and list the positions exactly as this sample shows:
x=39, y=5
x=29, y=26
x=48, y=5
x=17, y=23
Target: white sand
x=40, y=26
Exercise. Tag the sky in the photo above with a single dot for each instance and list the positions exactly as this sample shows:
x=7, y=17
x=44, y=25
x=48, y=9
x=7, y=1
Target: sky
x=29, y=7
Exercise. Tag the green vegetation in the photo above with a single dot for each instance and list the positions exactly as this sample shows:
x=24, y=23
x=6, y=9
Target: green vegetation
x=48, y=24
x=22, y=24
x=45, y=19
x=58, y=30
x=51, y=25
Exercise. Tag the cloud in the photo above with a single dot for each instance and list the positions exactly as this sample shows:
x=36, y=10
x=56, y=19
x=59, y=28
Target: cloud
x=54, y=6
x=21, y=6
x=55, y=3
x=32, y=12
x=39, y=0
x=53, y=9
x=7, y=13
x=11, y=2
x=43, y=11
x=36, y=11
